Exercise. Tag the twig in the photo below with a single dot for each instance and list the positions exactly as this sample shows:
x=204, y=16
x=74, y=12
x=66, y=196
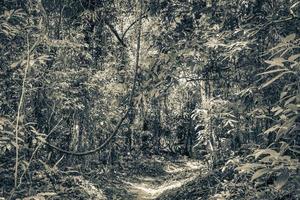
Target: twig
x=134, y=22
x=115, y=32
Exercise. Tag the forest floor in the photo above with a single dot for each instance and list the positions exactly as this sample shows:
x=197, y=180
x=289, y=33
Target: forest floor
x=151, y=177
x=177, y=174
x=147, y=180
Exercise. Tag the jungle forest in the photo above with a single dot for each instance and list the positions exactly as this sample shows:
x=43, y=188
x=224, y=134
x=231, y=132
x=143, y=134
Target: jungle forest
x=150, y=99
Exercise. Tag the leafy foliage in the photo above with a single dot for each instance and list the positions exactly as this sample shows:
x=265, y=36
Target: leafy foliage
x=214, y=80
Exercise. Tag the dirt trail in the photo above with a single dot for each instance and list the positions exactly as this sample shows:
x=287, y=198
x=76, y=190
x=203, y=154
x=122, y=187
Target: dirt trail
x=178, y=174
x=90, y=189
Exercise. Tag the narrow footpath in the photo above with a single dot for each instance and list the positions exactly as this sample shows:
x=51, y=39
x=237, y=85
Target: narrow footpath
x=145, y=186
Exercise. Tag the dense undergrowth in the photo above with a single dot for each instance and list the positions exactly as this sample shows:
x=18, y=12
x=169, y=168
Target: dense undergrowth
x=92, y=91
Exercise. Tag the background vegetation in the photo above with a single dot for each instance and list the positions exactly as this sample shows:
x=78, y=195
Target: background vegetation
x=104, y=84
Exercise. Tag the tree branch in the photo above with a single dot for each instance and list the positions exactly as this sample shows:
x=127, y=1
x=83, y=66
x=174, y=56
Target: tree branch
x=97, y=149
x=115, y=32
x=134, y=22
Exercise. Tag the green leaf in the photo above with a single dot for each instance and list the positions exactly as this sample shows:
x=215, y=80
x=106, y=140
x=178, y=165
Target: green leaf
x=285, y=128
x=274, y=109
x=290, y=100
x=273, y=79
x=283, y=94
x=281, y=180
x=292, y=58
x=270, y=152
x=279, y=111
x=293, y=107
x=272, y=129
x=284, y=146
x=259, y=173
x=289, y=38
x=272, y=71
x=248, y=167
x=276, y=62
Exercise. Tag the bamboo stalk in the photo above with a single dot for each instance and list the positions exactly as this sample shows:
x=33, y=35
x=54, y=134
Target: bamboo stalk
x=19, y=112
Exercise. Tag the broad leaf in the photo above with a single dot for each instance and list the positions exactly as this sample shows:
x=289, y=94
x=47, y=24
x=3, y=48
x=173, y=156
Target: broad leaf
x=259, y=173
x=289, y=38
x=293, y=57
x=273, y=79
x=270, y=152
x=281, y=180
x=276, y=62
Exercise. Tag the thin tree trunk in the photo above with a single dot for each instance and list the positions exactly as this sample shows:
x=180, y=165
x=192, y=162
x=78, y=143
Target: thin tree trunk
x=21, y=101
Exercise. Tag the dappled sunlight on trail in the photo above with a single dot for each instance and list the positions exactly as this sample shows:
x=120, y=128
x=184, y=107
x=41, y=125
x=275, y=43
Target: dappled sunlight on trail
x=178, y=174
x=149, y=191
